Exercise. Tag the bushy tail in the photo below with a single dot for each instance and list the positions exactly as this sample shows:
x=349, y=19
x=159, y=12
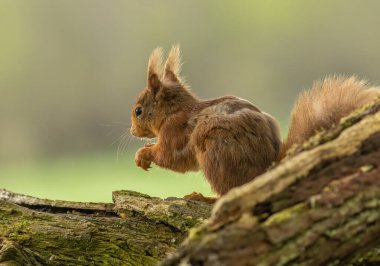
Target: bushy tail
x=324, y=105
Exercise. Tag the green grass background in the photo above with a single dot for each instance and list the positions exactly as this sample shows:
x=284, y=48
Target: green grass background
x=93, y=177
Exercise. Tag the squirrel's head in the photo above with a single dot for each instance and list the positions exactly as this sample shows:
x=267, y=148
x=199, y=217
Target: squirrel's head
x=164, y=94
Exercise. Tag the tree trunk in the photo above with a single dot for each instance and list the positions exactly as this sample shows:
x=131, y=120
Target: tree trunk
x=319, y=206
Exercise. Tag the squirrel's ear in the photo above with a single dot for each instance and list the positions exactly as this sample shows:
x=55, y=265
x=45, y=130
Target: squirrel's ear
x=173, y=65
x=155, y=70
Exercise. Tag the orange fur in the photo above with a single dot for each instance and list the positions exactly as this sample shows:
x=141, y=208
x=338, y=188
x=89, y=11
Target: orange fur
x=173, y=65
x=228, y=138
x=155, y=62
x=324, y=105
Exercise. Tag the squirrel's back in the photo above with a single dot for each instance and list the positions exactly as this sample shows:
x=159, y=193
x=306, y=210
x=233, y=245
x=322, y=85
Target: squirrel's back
x=324, y=105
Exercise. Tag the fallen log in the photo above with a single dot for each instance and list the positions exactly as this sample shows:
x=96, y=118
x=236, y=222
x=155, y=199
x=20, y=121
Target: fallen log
x=320, y=205
x=135, y=230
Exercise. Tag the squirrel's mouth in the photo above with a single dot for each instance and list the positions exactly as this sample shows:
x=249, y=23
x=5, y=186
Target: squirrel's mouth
x=134, y=132
x=141, y=133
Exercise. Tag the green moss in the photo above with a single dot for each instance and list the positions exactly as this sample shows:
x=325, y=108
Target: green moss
x=366, y=168
x=197, y=232
x=285, y=214
x=78, y=240
x=20, y=238
x=372, y=257
x=143, y=237
x=128, y=193
x=356, y=115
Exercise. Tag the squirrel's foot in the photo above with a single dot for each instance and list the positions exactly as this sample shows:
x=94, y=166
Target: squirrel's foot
x=199, y=197
x=143, y=157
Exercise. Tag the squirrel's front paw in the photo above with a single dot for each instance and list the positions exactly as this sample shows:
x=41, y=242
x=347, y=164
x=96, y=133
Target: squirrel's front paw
x=146, y=145
x=143, y=158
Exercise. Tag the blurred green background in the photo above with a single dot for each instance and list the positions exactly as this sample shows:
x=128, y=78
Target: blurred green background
x=70, y=71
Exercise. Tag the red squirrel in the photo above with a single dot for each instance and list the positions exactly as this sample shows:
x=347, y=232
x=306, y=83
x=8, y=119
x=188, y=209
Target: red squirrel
x=231, y=140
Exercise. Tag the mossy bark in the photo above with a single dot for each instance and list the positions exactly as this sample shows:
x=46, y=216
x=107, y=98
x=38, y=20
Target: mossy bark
x=319, y=206
x=41, y=232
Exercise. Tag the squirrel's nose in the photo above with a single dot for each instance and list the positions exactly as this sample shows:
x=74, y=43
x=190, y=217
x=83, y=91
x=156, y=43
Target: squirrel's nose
x=132, y=130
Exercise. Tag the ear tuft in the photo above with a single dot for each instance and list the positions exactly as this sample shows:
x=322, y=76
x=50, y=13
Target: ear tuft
x=155, y=70
x=155, y=63
x=172, y=67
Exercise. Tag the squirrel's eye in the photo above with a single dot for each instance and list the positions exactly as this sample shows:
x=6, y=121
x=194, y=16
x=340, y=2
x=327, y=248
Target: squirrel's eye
x=138, y=111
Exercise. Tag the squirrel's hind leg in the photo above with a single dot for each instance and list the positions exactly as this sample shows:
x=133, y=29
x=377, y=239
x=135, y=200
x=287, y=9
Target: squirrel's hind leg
x=233, y=149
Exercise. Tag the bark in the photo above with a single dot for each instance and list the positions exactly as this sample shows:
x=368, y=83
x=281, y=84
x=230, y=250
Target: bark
x=319, y=206
x=135, y=230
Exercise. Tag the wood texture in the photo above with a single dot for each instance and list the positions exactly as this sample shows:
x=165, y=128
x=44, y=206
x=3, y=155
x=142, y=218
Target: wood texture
x=319, y=206
x=39, y=232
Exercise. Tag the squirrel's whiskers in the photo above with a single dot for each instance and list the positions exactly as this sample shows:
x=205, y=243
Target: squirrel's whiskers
x=124, y=141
